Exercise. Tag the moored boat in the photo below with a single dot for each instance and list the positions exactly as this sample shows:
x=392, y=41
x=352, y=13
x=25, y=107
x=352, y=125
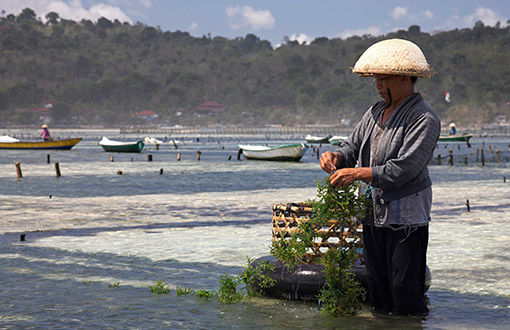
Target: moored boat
x=317, y=139
x=337, y=140
x=7, y=142
x=455, y=138
x=118, y=146
x=291, y=152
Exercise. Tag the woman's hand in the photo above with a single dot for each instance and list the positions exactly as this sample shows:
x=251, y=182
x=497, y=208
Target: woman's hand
x=346, y=176
x=329, y=160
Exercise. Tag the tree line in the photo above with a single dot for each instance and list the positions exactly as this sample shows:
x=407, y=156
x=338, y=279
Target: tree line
x=102, y=72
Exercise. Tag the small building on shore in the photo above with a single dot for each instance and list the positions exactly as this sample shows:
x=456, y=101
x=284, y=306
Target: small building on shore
x=209, y=108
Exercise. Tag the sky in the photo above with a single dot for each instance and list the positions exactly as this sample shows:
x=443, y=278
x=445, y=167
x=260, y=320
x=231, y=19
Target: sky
x=276, y=20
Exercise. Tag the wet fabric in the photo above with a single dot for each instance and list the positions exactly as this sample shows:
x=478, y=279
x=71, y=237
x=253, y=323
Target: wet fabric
x=395, y=259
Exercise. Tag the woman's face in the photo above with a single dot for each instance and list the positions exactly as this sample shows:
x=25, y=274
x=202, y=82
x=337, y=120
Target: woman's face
x=385, y=85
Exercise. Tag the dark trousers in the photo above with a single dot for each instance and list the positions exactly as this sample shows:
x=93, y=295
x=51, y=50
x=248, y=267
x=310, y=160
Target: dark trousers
x=396, y=261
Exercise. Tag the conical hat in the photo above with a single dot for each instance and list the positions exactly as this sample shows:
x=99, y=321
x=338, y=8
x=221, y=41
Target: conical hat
x=393, y=56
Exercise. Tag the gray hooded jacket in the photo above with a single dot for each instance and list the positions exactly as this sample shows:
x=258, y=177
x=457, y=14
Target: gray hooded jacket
x=406, y=146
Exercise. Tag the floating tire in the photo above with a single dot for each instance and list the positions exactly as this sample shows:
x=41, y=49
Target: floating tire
x=306, y=280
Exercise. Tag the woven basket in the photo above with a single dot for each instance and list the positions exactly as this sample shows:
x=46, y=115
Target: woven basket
x=288, y=217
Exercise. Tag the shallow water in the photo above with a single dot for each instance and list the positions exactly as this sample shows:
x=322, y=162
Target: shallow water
x=92, y=228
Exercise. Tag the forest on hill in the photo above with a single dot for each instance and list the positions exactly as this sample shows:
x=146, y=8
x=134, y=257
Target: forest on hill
x=103, y=72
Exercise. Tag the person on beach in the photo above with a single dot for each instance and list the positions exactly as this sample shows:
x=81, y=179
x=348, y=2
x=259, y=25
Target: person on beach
x=392, y=145
x=45, y=133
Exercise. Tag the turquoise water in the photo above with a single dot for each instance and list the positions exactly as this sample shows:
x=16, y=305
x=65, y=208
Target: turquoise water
x=92, y=228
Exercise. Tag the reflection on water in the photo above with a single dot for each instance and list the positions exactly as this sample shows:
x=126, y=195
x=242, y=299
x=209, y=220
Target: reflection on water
x=199, y=220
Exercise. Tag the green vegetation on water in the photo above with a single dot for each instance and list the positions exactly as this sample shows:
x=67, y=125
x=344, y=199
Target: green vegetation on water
x=342, y=294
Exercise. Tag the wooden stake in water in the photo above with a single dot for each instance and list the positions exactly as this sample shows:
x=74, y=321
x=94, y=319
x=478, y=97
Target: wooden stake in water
x=467, y=205
x=57, y=169
x=198, y=155
x=149, y=158
x=498, y=156
x=160, y=171
x=111, y=159
x=48, y=158
x=450, y=157
x=179, y=156
x=438, y=159
x=18, y=170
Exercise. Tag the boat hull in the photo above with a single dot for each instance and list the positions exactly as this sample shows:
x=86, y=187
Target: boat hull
x=460, y=138
x=128, y=147
x=284, y=153
x=64, y=144
x=317, y=139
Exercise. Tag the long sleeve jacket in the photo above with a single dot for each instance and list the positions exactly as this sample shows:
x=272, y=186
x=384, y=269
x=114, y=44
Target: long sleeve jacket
x=399, y=167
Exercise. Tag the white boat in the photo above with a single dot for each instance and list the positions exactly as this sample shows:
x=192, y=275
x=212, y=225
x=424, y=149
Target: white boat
x=291, y=152
x=337, y=140
x=317, y=139
x=152, y=140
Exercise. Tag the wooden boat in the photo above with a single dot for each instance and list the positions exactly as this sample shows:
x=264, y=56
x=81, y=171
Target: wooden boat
x=291, y=152
x=12, y=143
x=337, y=140
x=317, y=139
x=118, y=146
x=455, y=138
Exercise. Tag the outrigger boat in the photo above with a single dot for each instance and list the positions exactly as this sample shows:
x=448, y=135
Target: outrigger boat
x=7, y=142
x=118, y=146
x=291, y=152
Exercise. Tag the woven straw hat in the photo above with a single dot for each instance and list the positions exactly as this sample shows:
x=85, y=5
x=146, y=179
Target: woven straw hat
x=393, y=56
x=44, y=126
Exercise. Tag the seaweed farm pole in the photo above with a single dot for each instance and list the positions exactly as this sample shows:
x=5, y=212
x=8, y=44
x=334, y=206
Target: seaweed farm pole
x=198, y=155
x=439, y=159
x=483, y=158
x=57, y=169
x=179, y=156
x=149, y=158
x=48, y=158
x=498, y=154
x=467, y=205
x=450, y=157
x=477, y=152
x=18, y=170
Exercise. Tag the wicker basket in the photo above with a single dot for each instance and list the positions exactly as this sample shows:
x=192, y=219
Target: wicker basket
x=288, y=217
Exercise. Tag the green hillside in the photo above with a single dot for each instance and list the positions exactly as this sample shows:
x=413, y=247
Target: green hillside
x=102, y=72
